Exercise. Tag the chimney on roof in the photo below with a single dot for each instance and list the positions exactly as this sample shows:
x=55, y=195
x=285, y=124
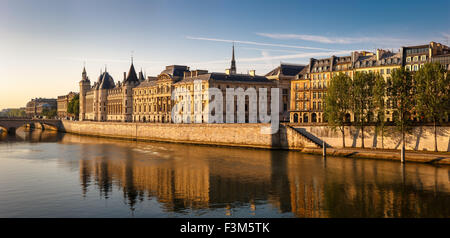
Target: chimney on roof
x=252, y=72
x=379, y=54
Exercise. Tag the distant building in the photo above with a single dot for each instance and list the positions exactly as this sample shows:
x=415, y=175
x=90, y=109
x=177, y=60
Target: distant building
x=36, y=106
x=62, y=104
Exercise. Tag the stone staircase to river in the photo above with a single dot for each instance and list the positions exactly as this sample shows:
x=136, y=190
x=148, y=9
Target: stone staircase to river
x=310, y=137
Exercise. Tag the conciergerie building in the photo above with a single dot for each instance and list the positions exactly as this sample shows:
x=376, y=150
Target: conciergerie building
x=148, y=99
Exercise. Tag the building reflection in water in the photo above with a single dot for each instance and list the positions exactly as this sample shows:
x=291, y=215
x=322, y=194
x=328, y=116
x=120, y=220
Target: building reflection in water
x=182, y=177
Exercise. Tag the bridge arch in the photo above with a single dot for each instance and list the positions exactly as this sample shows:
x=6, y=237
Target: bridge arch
x=11, y=124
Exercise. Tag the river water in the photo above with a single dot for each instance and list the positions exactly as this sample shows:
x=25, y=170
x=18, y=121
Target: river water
x=49, y=174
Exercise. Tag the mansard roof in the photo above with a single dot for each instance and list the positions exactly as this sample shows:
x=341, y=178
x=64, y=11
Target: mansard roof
x=286, y=69
x=303, y=71
x=386, y=58
x=150, y=81
x=147, y=83
x=239, y=78
x=223, y=77
x=175, y=70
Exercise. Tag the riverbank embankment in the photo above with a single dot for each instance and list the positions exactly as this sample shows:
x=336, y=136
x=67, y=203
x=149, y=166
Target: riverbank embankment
x=250, y=136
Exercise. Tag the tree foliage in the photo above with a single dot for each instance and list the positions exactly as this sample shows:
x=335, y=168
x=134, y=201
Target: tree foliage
x=338, y=102
x=379, y=96
x=74, y=106
x=432, y=94
x=16, y=113
x=401, y=93
x=362, y=100
x=49, y=113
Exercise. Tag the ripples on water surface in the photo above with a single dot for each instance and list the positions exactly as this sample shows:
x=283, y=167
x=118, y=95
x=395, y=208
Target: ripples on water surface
x=47, y=174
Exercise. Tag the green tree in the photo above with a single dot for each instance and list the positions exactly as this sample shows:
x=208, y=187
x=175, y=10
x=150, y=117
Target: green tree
x=16, y=113
x=433, y=94
x=362, y=99
x=74, y=106
x=379, y=96
x=49, y=113
x=338, y=103
x=401, y=93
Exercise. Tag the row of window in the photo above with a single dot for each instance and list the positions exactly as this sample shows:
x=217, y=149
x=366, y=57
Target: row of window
x=416, y=58
x=315, y=106
x=320, y=69
x=416, y=51
x=316, y=85
x=320, y=76
x=415, y=67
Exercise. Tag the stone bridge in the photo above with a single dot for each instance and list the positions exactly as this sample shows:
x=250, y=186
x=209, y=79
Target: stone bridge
x=11, y=124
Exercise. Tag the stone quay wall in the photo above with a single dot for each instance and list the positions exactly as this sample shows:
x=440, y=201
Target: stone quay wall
x=239, y=135
x=420, y=138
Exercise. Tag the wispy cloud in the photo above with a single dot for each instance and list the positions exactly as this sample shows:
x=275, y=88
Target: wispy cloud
x=266, y=57
x=257, y=43
x=335, y=40
x=270, y=50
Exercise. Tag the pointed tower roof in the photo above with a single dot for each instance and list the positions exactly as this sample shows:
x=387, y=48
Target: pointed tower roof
x=141, y=76
x=84, y=77
x=132, y=76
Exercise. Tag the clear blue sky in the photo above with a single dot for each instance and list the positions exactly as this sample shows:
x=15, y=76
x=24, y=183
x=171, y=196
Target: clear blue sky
x=43, y=43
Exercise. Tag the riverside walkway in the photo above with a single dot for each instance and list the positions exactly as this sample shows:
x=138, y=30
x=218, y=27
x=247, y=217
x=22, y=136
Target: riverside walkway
x=428, y=157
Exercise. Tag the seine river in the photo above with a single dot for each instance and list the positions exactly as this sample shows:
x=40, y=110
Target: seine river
x=48, y=174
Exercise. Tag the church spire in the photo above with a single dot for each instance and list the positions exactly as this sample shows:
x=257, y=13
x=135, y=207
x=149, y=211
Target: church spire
x=233, y=63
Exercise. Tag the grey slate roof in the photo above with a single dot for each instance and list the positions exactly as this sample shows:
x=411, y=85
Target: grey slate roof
x=131, y=77
x=175, y=70
x=286, y=69
x=227, y=78
x=107, y=81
